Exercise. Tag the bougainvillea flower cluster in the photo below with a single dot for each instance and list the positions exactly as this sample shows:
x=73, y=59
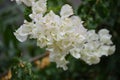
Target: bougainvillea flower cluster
x=64, y=34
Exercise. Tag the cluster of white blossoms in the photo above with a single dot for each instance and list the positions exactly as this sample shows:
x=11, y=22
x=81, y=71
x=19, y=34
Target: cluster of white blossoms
x=64, y=34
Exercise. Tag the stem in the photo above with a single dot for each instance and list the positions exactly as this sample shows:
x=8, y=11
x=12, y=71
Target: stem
x=39, y=56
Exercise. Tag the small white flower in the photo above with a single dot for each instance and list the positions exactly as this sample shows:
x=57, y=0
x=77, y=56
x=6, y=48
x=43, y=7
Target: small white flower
x=39, y=7
x=111, y=50
x=105, y=36
x=21, y=38
x=23, y=32
x=26, y=2
x=66, y=11
x=75, y=52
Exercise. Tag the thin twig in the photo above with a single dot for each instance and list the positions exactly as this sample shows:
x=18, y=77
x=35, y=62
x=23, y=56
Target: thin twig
x=39, y=56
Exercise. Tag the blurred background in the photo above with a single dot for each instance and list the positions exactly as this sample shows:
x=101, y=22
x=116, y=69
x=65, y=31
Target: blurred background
x=15, y=56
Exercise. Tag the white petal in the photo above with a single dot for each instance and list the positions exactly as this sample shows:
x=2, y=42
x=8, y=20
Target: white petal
x=111, y=50
x=39, y=7
x=21, y=38
x=103, y=31
x=27, y=2
x=66, y=11
x=105, y=37
x=75, y=53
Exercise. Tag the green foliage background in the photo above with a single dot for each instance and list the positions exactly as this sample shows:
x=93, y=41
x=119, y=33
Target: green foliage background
x=96, y=14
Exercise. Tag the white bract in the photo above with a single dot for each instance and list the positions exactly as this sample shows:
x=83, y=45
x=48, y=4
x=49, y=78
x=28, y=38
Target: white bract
x=39, y=7
x=26, y=2
x=64, y=34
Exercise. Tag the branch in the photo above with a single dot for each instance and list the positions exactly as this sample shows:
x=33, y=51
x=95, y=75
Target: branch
x=39, y=56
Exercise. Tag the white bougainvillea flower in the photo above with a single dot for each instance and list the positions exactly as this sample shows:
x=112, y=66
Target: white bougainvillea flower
x=94, y=47
x=64, y=34
x=59, y=59
x=24, y=30
x=26, y=2
x=78, y=25
x=75, y=52
x=39, y=7
x=105, y=36
x=66, y=11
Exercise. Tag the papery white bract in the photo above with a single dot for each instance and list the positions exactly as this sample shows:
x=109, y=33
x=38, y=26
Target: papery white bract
x=64, y=34
x=39, y=7
x=66, y=11
x=26, y=2
x=24, y=30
